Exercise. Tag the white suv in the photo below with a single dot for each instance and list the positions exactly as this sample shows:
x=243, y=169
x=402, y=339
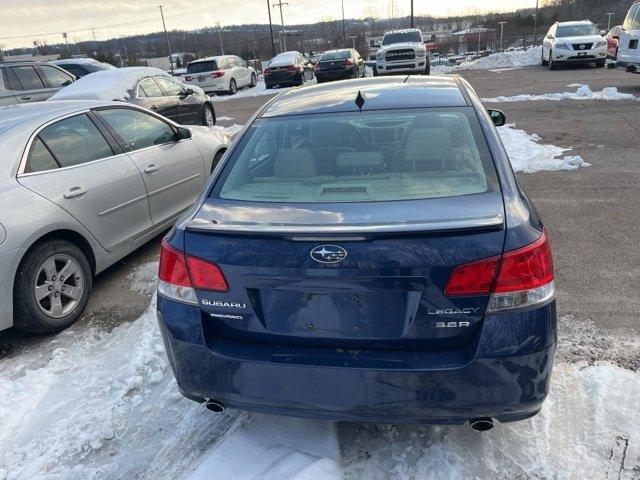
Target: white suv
x=222, y=74
x=402, y=51
x=574, y=42
x=628, y=49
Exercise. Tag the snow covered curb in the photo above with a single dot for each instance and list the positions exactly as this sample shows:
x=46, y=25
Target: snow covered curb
x=528, y=155
x=497, y=61
x=259, y=90
x=582, y=93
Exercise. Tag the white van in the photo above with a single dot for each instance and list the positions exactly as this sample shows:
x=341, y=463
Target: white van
x=628, y=47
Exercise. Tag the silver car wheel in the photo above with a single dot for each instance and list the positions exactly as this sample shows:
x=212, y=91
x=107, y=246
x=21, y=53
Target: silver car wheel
x=208, y=117
x=59, y=285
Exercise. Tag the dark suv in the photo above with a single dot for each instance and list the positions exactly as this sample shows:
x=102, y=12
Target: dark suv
x=28, y=81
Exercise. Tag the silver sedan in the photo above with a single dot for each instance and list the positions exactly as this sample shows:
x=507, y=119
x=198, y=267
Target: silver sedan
x=82, y=184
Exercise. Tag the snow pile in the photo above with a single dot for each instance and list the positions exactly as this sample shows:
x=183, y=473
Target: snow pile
x=143, y=278
x=116, y=84
x=582, y=93
x=528, y=155
x=500, y=60
x=228, y=132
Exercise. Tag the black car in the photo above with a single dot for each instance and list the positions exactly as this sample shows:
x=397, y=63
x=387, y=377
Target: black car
x=81, y=67
x=339, y=65
x=287, y=68
x=149, y=87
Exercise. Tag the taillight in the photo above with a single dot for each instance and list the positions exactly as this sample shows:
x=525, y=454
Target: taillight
x=474, y=278
x=179, y=275
x=317, y=66
x=187, y=78
x=519, y=278
x=266, y=71
x=292, y=69
x=217, y=74
x=206, y=275
x=348, y=63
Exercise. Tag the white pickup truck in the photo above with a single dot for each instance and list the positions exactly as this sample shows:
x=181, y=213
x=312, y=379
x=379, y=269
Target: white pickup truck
x=402, y=51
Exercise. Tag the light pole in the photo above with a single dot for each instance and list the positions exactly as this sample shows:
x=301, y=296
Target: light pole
x=66, y=42
x=535, y=25
x=273, y=47
x=126, y=52
x=501, y=34
x=479, y=36
x=283, y=40
x=412, y=23
x=609, y=21
x=166, y=36
x=344, y=30
x=220, y=38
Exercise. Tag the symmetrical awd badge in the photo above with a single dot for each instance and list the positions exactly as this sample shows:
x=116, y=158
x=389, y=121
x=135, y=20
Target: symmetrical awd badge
x=328, y=253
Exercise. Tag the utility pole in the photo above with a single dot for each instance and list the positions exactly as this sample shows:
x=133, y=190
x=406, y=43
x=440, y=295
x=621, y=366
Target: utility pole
x=535, y=25
x=344, y=30
x=66, y=42
x=501, y=35
x=220, y=37
x=479, y=36
x=126, y=52
x=283, y=40
x=166, y=36
x=273, y=46
x=609, y=21
x=412, y=23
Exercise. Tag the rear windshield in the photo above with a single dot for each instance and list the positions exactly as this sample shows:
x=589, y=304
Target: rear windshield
x=201, y=67
x=402, y=37
x=576, y=30
x=335, y=55
x=632, y=22
x=360, y=157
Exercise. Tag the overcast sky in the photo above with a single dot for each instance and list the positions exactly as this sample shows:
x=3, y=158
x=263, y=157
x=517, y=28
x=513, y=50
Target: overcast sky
x=40, y=17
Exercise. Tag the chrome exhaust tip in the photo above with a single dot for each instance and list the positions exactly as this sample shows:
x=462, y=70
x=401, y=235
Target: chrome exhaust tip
x=214, y=406
x=481, y=424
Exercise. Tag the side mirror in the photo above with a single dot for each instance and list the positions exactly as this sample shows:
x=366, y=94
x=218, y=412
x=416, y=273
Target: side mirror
x=603, y=32
x=183, y=133
x=189, y=91
x=497, y=117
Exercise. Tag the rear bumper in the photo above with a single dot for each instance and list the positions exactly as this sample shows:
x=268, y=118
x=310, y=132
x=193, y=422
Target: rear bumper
x=333, y=74
x=282, y=79
x=506, y=376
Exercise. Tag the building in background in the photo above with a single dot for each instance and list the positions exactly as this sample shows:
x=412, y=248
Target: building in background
x=474, y=39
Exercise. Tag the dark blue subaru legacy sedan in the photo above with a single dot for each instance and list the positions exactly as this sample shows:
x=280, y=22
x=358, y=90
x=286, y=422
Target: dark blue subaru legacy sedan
x=364, y=252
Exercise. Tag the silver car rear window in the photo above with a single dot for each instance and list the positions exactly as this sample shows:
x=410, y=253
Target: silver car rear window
x=360, y=157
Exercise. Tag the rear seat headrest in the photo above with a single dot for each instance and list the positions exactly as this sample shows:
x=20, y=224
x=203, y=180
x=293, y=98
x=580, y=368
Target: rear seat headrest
x=294, y=164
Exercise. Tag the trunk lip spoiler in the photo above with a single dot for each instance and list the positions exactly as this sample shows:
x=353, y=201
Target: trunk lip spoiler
x=482, y=222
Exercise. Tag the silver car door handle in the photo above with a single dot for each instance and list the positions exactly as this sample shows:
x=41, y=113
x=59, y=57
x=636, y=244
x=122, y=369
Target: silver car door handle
x=153, y=107
x=75, y=192
x=25, y=97
x=151, y=168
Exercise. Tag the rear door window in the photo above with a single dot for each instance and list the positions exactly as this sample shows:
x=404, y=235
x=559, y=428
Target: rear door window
x=28, y=77
x=364, y=157
x=75, y=140
x=40, y=158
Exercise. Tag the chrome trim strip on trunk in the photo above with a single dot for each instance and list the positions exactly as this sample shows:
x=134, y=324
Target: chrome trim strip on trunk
x=462, y=223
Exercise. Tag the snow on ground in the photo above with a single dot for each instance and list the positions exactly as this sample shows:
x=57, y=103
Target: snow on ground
x=528, y=155
x=257, y=91
x=143, y=278
x=582, y=93
x=224, y=119
x=500, y=60
x=105, y=406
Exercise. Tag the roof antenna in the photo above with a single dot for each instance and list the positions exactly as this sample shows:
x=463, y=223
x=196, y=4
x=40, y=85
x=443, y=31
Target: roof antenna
x=360, y=99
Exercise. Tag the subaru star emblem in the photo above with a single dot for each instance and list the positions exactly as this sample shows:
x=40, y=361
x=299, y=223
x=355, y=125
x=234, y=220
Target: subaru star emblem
x=328, y=254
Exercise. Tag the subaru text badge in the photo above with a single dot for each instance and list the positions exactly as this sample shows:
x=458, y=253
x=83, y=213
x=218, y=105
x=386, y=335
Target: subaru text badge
x=328, y=254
